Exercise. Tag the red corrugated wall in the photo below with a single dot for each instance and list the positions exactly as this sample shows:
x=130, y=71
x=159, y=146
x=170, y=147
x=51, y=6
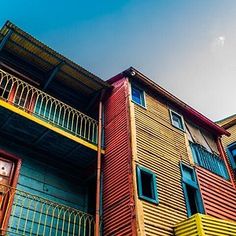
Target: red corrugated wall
x=218, y=195
x=118, y=217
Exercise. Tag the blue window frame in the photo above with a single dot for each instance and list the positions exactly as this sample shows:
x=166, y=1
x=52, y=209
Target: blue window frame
x=231, y=152
x=138, y=95
x=191, y=191
x=177, y=120
x=147, y=186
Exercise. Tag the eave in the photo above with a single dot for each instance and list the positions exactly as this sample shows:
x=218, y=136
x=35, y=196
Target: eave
x=187, y=110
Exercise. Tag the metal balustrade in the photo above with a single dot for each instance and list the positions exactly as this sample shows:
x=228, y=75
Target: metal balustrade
x=46, y=107
x=209, y=161
x=34, y=215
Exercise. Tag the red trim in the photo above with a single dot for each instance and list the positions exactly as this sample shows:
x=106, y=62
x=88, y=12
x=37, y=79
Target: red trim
x=223, y=155
x=14, y=182
x=131, y=174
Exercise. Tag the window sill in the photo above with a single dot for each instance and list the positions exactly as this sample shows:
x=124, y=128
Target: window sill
x=144, y=107
x=150, y=200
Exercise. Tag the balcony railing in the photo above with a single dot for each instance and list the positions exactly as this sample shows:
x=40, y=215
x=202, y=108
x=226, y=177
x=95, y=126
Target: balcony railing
x=199, y=225
x=34, y=215
x=46, y=107
x=208, y=160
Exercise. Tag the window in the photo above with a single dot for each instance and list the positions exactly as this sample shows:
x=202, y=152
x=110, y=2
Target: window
x=137, y=95
x=191, y=190
x=177, y=120
x=231, y=152
x=147, y=187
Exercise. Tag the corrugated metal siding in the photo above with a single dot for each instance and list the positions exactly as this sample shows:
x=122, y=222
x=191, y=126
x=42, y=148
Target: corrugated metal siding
x=199, y=225
x=218, y=195
x=187, y=227
x=232, y=138
x=117, y=188
x=160, y=147
x=216, y=227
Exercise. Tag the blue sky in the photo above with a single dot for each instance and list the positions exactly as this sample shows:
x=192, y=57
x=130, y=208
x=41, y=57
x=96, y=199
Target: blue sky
x=186, y=46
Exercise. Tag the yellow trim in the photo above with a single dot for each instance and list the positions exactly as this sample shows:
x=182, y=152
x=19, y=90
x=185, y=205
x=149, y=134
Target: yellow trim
x=199, y=225
x=48, y=125
x=138, y=203
x=189, y=152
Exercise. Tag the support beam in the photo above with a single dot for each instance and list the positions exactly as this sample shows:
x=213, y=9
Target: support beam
x=53, y=74
x=5, y=39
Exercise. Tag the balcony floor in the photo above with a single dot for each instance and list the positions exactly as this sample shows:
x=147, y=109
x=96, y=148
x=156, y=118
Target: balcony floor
x=43, y=139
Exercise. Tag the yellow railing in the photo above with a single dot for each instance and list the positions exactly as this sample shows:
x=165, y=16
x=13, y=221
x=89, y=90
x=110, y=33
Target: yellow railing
x=200, y=225
x=34, y=215
x=44, y=106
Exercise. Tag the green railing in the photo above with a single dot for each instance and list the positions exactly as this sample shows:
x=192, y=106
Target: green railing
x=46, y=107
x=209, y=161
x=34, y=215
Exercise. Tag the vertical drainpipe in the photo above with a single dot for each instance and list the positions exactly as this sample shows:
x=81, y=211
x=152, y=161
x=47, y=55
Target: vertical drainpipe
x=223, y=154
x=98, y=184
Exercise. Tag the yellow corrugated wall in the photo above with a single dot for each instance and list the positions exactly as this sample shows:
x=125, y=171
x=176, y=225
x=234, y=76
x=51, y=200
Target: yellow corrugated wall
x=160, y=147
x=187, y=227
x=199, y=225
x=228, y=140
x=217, y=227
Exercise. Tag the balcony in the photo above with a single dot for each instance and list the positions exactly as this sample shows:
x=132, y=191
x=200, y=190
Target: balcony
x=38, y=106
x=28, y=214
x=209, y=161
x=199, y=225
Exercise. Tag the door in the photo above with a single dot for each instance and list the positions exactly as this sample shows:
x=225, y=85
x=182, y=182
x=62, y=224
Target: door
x=9, y=173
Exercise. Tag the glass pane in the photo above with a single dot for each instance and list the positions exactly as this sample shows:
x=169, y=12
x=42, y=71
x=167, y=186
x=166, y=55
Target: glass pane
x=191, y=193
x=233, y=151
x=147, y=185
x=177, y=121
x=136, y=95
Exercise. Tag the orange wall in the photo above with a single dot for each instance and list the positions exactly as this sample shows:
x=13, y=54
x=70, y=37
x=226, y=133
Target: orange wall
x=218, y=195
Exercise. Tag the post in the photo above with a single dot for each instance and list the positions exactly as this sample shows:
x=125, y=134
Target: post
x=98, y=185
x=223, y=154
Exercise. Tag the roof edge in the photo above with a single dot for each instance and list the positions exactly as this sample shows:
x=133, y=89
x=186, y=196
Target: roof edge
x=133, y=73
x=9, y=25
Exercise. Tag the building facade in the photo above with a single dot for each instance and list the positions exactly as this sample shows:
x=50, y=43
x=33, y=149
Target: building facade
x=81, y=156
x=165, y=171
x=50, y=140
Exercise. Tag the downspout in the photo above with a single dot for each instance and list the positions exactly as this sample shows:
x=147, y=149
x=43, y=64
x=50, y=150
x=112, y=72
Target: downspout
x=98, y=184
x=223, y=154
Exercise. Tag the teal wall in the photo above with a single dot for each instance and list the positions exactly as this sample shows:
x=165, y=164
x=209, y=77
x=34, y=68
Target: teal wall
x=52, y=183
x=55, y=182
